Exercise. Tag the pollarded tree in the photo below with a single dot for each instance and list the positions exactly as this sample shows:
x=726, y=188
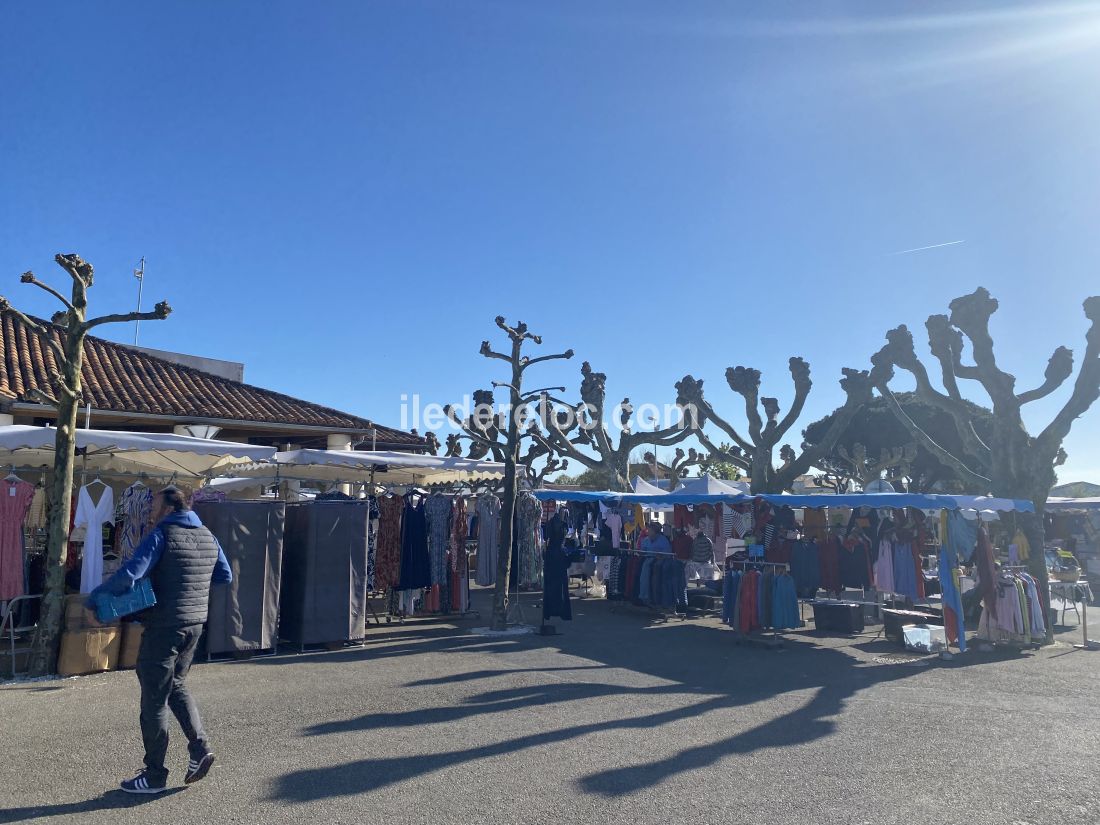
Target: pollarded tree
x=579, y=431
x=485, y=438
x=1008, y=462
x=64, y=358
x=755, y=453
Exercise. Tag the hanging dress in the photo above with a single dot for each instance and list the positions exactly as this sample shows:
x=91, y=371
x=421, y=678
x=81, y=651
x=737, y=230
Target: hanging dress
x=438, y=512
x=528, y=512
x=460, y=582
x=415, y=564
x=387, y=557
x=15, y=501
x=488, y=539
x=93, y=516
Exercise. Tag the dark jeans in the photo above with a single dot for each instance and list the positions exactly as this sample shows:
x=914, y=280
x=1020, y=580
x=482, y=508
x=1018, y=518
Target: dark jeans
x=163, y=661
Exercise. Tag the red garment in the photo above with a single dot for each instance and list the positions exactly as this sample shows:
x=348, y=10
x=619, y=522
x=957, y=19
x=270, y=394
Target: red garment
x=748, y=620
x=681, y=546
x=829, y=561
x=681, y=518
x=779, y=551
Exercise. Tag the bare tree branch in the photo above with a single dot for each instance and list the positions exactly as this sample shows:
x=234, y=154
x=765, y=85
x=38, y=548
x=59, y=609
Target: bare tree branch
x=971, y=314
x=745, y=381
x=800, y=374
x=1085, y=390
x=899, y=351
x=34, y=326
x=930, y=444
x=29, y=278
x=161, y=312
x=690, y=392
x=528, y=362
x=1059, y=368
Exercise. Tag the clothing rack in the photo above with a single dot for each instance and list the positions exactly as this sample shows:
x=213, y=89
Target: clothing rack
x=772, y=641
x=659, y=611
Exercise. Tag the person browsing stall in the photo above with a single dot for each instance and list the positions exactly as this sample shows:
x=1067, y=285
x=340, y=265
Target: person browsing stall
x=656, y=541
x=182, y=559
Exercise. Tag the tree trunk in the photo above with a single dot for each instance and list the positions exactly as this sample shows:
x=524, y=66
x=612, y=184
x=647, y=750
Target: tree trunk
x=508, y=504
x=47, y=635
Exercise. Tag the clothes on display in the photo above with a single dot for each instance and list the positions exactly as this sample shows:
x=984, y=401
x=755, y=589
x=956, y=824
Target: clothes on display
x=459, y=560
x=387, y=557
x=15, y=501
x=658, y=580
x=135, y=508
x=855, y=562
x=806, y=568
x=753, y=599
x=555, y=586
x=415, y=562
x=93, y=515
x=1016, y=615
x=488, y=539
x=438, y=510
x=528, y=552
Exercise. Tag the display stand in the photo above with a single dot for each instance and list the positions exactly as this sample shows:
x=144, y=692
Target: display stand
x=772, y=642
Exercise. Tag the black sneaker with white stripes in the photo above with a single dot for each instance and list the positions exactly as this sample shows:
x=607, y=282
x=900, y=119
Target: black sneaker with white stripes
x=142, y=784
x=198, y=768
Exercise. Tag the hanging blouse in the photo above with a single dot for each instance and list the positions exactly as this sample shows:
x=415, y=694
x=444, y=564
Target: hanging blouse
x=15, y=500
x=137, y=508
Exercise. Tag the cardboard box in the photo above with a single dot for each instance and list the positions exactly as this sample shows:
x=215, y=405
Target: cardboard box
x=77, y=616
x=131, y=643
x=88, y=651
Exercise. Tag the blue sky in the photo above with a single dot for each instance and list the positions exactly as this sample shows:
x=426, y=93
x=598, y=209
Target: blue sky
x=344, y=195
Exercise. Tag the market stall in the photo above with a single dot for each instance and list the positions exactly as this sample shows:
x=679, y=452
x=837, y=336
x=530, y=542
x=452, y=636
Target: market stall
x=401, y=541
x=887, y=545
x=116, y=475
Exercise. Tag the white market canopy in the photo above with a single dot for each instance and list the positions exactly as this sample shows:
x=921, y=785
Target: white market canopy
x=708, y=485
x=127, y=453
x=640, y=485
x=363, y=465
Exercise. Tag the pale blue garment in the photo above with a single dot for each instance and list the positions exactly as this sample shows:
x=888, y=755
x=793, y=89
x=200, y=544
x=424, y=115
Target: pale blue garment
x=905, y=571
x=785, y=603
x=962, y=535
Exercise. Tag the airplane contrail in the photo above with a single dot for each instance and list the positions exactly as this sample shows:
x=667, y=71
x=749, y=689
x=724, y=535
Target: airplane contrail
x=922, y=248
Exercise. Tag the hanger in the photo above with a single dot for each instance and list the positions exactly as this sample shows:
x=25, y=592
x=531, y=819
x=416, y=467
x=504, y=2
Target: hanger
x=96, y=480
x=12, y=477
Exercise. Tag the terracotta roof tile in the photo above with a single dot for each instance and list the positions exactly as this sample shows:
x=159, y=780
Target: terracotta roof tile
x=120, y=379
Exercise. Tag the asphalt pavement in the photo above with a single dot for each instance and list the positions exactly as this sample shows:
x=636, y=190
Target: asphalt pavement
x=617, y=718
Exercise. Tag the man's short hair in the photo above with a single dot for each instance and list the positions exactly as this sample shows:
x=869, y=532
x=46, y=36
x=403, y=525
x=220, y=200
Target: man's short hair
x=174, y=499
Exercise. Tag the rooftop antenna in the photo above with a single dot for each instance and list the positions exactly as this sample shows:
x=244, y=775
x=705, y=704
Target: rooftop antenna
x=139, y=273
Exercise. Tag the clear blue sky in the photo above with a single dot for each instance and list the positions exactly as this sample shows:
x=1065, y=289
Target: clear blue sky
x=344, y=195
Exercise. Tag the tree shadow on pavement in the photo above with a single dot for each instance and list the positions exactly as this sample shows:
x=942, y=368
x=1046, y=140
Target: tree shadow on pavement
x=699, y=671
x=112, y=800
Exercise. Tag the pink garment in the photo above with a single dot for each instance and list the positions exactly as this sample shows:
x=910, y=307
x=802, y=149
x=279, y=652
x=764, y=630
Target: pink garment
x=15, y=501
x=884, y=567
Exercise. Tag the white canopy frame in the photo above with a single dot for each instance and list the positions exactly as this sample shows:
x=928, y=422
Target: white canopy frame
x=121, y=453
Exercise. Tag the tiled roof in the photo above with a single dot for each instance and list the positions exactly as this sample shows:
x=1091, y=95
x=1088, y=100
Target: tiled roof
x=117, y=378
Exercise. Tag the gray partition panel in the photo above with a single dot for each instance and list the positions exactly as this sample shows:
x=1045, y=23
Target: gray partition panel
x=324, y=572
x=244, y=615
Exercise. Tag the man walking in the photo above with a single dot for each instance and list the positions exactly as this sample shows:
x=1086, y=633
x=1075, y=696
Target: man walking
x=182, y=559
